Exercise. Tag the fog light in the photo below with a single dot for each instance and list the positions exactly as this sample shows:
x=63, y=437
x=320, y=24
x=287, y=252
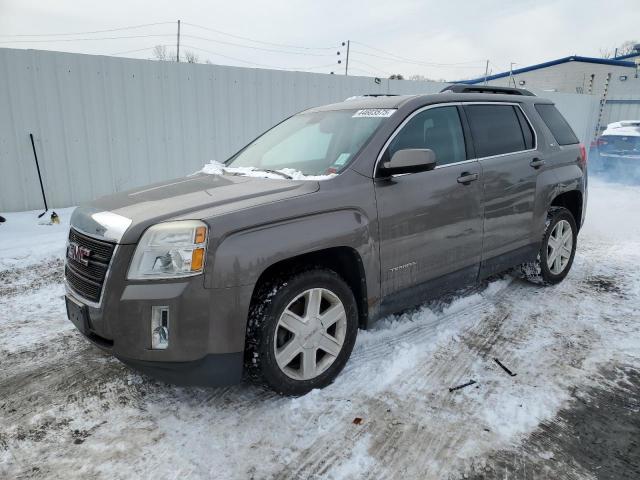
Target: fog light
x=159, y=327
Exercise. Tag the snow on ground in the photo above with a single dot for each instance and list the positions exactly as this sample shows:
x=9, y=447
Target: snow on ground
x=68, y=410
x=27, y=240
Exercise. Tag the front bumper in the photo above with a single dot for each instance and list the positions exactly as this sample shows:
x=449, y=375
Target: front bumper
x=206, y=331
x=213, y=370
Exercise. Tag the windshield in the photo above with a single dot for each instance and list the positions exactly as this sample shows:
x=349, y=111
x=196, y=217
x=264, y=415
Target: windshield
x=311, y=144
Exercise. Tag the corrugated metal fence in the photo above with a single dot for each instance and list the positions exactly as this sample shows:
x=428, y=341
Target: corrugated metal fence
x=106, y=124
x=621, y=107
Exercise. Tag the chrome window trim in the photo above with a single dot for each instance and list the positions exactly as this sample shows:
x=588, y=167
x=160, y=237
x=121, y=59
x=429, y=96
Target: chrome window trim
x=469, y=160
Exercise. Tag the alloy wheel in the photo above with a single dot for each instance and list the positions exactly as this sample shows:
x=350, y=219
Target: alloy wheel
x=559, y=247
x=310, y=334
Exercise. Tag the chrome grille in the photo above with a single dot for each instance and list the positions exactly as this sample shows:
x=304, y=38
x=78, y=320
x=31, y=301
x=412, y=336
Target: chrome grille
x=88, y=280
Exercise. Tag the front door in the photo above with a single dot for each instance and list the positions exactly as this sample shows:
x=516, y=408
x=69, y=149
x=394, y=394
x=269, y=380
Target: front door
x=430, y=222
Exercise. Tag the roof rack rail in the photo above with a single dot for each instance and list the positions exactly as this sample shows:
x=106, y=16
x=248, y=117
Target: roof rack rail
x=463, y=88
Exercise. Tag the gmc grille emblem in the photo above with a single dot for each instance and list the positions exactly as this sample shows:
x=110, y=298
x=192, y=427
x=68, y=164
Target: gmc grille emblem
x=78, y=253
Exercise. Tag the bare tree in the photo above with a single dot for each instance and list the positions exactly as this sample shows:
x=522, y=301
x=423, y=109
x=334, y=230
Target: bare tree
x=627, y=47
x=606, y=53
x=421, y=78
x=191, y=57
x=161, y=53
x=624, y=49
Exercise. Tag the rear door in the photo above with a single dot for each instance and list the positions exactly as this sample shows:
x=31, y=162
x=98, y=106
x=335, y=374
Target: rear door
x=505, y=143
x=430, y=222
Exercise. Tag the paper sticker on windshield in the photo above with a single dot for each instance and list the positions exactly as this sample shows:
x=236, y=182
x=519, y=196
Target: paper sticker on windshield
x=342, y=159
x=374, y=113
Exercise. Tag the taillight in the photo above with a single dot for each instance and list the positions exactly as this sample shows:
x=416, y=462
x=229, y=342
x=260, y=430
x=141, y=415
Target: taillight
x=583, y=156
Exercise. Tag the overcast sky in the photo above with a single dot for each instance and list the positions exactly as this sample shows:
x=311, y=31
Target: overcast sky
x=434, y=38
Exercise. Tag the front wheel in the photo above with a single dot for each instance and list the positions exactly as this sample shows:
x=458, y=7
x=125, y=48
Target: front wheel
x=301, y=331
x=557, y=251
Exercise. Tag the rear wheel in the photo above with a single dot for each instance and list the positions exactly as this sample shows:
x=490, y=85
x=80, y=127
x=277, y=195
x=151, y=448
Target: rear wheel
x=301, y=331
x=557, y=251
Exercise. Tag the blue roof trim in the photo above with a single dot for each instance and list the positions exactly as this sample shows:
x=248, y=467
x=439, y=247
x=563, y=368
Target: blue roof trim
x=628, y=55
x=572, y=58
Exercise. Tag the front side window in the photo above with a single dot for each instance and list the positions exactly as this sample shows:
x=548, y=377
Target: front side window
x=495, y=130
x=317, y=143
x=438, y=129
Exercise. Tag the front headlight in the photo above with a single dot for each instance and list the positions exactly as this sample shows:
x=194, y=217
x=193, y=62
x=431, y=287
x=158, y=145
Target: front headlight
x=170, y=250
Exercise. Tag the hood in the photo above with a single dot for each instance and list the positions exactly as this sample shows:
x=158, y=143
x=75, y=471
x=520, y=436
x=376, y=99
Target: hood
x=122, y=217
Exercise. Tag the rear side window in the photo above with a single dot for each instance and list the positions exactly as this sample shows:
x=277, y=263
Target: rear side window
x=438, y=129
x=495, y=129
x=559, y=127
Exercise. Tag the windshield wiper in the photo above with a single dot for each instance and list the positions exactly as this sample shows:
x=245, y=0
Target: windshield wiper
x=268, y=170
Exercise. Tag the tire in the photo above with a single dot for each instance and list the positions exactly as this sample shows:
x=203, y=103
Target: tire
x=540, y=271
x=292, y=300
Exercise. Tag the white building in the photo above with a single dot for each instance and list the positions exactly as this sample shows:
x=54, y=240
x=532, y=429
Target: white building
x=574, y=74
x=615, y=81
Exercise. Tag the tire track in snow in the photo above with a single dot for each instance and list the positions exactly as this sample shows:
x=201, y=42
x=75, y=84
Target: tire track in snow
x=394, y=447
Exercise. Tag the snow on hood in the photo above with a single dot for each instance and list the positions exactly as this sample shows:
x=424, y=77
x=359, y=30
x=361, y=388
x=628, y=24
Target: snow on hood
x=626, y=128
x=217, y=168
x=623, y=132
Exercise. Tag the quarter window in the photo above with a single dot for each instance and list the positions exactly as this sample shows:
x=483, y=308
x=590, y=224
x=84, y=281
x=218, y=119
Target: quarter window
x=438, y=129
x=495, y=129
x=559, y=127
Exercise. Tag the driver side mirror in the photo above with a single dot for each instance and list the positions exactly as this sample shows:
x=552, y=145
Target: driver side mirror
x=410, y=160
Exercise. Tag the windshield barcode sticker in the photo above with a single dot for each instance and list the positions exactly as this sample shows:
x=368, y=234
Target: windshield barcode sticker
x=374, y=113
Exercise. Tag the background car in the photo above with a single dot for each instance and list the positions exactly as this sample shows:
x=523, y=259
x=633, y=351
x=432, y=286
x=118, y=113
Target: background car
x=616, y=153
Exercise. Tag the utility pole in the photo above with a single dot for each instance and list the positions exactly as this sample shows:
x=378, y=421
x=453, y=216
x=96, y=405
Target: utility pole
x=486, y=72
x=346, y=67
x=178, y=44
x=511, y=75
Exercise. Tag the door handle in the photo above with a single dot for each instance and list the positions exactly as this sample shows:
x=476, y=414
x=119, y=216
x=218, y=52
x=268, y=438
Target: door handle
x=537, y=163
x=466, y=178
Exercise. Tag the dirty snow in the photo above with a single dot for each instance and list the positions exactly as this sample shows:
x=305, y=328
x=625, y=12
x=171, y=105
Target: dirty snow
x=217, y=168
x=68, y=410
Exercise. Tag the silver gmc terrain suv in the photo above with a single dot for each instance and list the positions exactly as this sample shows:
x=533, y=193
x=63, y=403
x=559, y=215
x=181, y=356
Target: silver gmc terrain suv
x=267, y=265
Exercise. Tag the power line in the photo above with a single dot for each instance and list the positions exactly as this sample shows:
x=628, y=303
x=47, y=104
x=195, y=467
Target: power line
x=367, y=72
x=371, y=66
x=410, y=60
x=85, y=33
x=426, y=64
x=257, y=41
x=264, y=49
x=139, y=50
x=255, y=63
x=87, y=39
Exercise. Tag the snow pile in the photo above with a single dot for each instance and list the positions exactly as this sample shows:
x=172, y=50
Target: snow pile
x=217, y=168
x=26, y=240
